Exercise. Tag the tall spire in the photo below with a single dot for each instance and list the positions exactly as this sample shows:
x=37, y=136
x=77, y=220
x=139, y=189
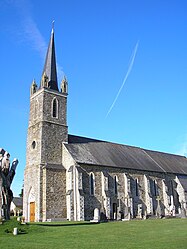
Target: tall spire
x=49, y=71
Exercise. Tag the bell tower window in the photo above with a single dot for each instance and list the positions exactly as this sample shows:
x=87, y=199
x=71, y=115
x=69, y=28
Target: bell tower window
x=33, y=145
x=55, y=108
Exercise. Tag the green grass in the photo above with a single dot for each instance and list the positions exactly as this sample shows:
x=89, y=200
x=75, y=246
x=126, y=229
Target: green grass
x=145, y=234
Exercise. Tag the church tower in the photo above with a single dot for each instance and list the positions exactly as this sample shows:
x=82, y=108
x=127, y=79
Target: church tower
x=44, y=179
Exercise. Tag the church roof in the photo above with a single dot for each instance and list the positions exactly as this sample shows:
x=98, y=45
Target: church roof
x=101, y=153
x=18, y=201
x=183, y=181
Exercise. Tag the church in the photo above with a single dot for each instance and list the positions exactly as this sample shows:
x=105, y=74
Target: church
x=69, y=177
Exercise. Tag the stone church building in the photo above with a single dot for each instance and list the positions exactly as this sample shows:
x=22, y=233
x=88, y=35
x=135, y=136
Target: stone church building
x=67, y=177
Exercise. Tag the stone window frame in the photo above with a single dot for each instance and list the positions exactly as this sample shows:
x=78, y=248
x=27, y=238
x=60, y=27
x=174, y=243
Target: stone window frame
x=54, y=108
x=92, y=183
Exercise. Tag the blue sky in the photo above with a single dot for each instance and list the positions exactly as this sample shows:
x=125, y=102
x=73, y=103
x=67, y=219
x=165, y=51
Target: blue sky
x=95, y=41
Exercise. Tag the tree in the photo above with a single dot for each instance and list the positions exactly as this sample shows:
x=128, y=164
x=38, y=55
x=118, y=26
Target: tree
x=7, y=174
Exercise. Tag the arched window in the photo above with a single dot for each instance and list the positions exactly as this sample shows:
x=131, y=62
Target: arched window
x=92, y=184
x=136, y=187
x=171, y=186
x=33, y=144
x=155, y=189
x=171, y=192
x=115, y=185
x=55, y=108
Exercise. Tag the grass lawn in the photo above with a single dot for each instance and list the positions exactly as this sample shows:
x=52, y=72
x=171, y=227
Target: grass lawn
x=145, y=234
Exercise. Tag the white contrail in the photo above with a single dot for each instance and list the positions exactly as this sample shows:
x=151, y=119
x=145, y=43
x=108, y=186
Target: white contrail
x=126, y=76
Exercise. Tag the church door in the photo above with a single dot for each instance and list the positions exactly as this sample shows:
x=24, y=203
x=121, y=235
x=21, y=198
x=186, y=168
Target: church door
x=32, y=211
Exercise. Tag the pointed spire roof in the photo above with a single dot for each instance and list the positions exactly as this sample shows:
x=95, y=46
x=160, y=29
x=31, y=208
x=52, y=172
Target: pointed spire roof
x=50, y=64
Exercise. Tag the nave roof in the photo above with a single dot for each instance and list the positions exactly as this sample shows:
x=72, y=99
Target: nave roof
x=101, y=153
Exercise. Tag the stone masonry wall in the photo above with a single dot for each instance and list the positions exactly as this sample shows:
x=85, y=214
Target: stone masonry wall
x=46, y=134
x=54, y=129
x=69, y=165
x=54, y=195
x=51, y=145
x=33, y=191
x=136, y=198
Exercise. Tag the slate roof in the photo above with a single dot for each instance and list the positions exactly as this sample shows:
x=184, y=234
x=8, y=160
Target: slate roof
x=50, y=64
x=18, y=201
x=100, y=153
x=183, y=181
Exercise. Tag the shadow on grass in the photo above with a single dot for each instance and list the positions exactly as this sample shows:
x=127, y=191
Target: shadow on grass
x=63, y=225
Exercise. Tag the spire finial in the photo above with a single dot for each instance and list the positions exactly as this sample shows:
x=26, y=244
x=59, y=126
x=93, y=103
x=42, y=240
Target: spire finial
x=53, y=24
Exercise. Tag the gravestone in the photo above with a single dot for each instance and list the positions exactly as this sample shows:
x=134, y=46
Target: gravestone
x=127, y=214
x=139, y=211
x=96, y=216
x=183, y=210
x=158, y=209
